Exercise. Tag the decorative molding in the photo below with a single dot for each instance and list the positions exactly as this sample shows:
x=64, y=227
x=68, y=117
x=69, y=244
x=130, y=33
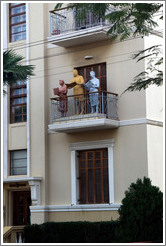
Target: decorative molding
x=140, y=121
x=74, y=208
x=28, y=91
x=21, y=179
x=92, y=144
x=35, y=192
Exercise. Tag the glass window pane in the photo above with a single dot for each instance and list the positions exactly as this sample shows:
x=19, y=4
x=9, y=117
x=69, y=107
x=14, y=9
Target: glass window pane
x=24, y=118
x=24, y=35
x=24, y=109
x=16, y=19
x=17, y=101
x=19, y=171
x=16, y=29
x=16, y=37
x=19, y=162
x=24, y=27
x=15, y=10
x=18, y=110
x=17, y=92
x=19, y=154
x=24, y=8
x=18, y=118
x=23, y=17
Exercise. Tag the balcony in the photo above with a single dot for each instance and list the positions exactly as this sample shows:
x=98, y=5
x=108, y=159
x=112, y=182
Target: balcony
x=66, y=30
x=66, y=115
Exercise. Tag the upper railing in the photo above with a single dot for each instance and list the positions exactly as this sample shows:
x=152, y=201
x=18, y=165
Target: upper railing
x=78, y=107
x=64, y=20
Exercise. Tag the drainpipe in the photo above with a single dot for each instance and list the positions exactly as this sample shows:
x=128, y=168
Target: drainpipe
x=28, y=91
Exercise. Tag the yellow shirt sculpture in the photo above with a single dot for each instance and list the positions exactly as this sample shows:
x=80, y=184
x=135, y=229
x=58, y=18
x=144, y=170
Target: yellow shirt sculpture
x=77, y=85
x=78, y=88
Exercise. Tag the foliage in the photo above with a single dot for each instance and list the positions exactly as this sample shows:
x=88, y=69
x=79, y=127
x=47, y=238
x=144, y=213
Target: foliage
x=153, y=73
x=140, y=220
x=71, y=232
x=141, y=213
x=126, y=20
x=13, y=70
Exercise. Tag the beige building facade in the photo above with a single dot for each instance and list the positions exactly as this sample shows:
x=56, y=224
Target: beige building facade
x=77, y=167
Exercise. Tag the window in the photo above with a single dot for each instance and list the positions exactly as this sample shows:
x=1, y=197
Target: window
x=93, y=176
x=18, y=161
x=92, y=173
x=17, y=21
x=18, y=102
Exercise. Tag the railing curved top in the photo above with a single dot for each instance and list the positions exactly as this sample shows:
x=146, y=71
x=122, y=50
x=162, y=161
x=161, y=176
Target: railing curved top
x=85, y=94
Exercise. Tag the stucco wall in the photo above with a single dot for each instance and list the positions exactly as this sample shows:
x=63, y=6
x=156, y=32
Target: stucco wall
x=154, y=94
x=155, y=155
x=38, y=217
x=130, y=160
x=120, y=67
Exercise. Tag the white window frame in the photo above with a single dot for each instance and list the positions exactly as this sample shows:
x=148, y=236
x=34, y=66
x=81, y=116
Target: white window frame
x=74, y=147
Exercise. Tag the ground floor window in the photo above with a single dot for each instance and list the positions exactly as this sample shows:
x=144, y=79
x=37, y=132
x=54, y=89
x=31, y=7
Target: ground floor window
x=92, y=172
x=18, y=162
x=93, y=176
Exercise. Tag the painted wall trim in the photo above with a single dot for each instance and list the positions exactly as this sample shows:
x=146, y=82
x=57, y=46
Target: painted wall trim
x=28, y=91
x=120, y=124
x=5, y=105
x=140, y=121
x=73, y=208
x=22, y=179
x=91, y=144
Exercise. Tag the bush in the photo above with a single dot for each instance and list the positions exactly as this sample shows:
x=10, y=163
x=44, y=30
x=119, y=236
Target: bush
x=141, y=213
x=71, y=232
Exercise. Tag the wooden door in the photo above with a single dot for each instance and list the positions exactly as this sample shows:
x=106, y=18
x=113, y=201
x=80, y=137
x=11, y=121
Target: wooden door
x=100, y=73
x=21, y=211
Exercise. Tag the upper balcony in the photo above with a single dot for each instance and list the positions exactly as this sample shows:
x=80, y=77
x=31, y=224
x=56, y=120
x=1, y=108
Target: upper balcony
x=66, y=30
x=72, y=114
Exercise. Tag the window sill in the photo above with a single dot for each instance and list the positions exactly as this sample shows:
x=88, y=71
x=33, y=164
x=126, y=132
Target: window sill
x=21, y=178
x=73, y=208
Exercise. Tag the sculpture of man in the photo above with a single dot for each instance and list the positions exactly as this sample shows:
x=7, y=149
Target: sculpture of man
x=94, y=96
x=63, y=104
x=78, y=89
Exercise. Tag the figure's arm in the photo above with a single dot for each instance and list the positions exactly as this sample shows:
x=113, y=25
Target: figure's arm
x=97, y=84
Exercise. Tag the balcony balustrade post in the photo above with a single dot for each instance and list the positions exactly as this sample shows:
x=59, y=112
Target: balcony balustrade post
x=101, y=21
x=102, y=102
x=50, y=24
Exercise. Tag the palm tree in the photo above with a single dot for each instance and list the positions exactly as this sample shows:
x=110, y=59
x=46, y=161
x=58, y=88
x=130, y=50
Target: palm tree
x=13, y=70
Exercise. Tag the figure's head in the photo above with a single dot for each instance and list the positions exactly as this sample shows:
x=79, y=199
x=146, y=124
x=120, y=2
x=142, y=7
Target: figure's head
x=61, y=82
x=92, y=74
x=75, y=72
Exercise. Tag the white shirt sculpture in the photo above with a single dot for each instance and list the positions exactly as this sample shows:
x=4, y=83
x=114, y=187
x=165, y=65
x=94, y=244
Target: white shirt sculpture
x=93, y=86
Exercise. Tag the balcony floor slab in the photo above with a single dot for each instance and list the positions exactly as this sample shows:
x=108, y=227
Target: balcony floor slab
x=80, y=37
x=84, y=123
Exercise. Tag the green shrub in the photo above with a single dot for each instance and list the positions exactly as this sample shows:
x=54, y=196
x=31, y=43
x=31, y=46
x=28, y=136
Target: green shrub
x=141, y=213
x=71, y=232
